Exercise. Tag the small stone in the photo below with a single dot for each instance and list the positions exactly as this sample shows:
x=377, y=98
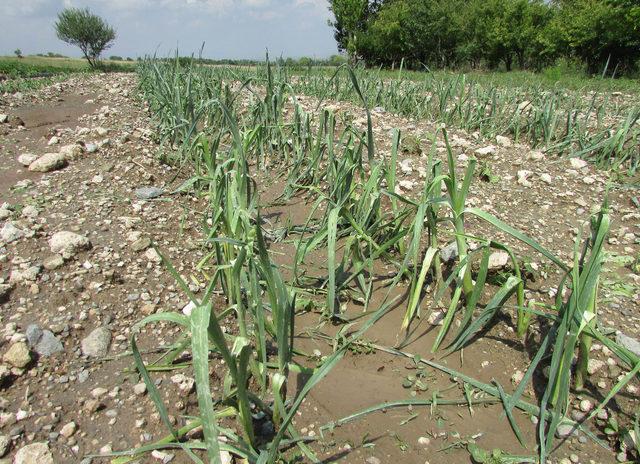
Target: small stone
x=536, y=156
x=53, y=141
x=424, y=442
x=517, y=377
x=586, y=406
x=141, y=244
x=18, y=355
x=35, y=453
x=140, y=389
x=436, y=317
x=594, y=365
x=97, y=344
x=523, y=176
x=565, y=430
x=449, y=252
x=5, y=444
x=373, y=460
x=43, y=342
x=152, y=255
x=225, y=457
x=68, y=244
x=10, y=232
x=498, y=260
x=574, y=458
x=503, y=141
x=578, y=163
x=546, y=178
x=69, y=429
x=26, y=159
x=71, y=151
x=488, y=150
x=147, y=193
x=161, y=456
x=53, y=262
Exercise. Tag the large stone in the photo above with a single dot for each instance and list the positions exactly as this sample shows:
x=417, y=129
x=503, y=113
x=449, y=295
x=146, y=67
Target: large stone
x=18, y=355
x=97, y=344
x=49, y=162
x=10, y=232
x=68, y=243
x=43, y=342
x=35, y=453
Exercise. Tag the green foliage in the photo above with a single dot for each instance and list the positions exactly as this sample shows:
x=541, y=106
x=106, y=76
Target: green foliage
x=87, y=31
x=602, y=34
x=18, y=52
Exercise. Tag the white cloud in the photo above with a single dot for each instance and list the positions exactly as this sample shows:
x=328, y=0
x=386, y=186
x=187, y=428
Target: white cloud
x=20, y=7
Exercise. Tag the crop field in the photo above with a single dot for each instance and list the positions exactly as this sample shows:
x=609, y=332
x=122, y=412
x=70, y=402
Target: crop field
x=324, y=252
x=344, y=264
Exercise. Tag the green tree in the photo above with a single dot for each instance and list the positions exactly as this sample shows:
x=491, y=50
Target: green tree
x=18, y=52
x=350, y=21
x=87, y=31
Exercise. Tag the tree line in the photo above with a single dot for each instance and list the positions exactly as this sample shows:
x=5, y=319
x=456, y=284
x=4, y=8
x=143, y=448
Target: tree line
x=601, y=35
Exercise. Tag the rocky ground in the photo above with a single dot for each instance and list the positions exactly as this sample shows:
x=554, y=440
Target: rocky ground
x=83, y=197
x=82, y=200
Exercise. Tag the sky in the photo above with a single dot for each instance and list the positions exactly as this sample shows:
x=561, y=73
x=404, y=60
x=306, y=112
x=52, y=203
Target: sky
x=229, y=28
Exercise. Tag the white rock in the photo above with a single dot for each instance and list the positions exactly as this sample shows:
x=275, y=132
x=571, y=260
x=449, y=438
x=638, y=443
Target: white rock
x=97, y=343
x=69, y=429
x=523, y=178
x=53, y=141
x=153, y=256
x=424, y=442
x=405, y=166
x=188, y=308
x=68, y=243
x=26, y=159
x=488, y=150
x=30, y=212
x=586, y=406
x=578, y=163
x=48, y=162
x=546, y=178
x=406, y=185
x=71, y=152
x=35, y=453
x=10, y=233
x=498, y=260
x=140, y=388
x=517, y=377
x=503, y=141
x=436, y=317
x=536, y=155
